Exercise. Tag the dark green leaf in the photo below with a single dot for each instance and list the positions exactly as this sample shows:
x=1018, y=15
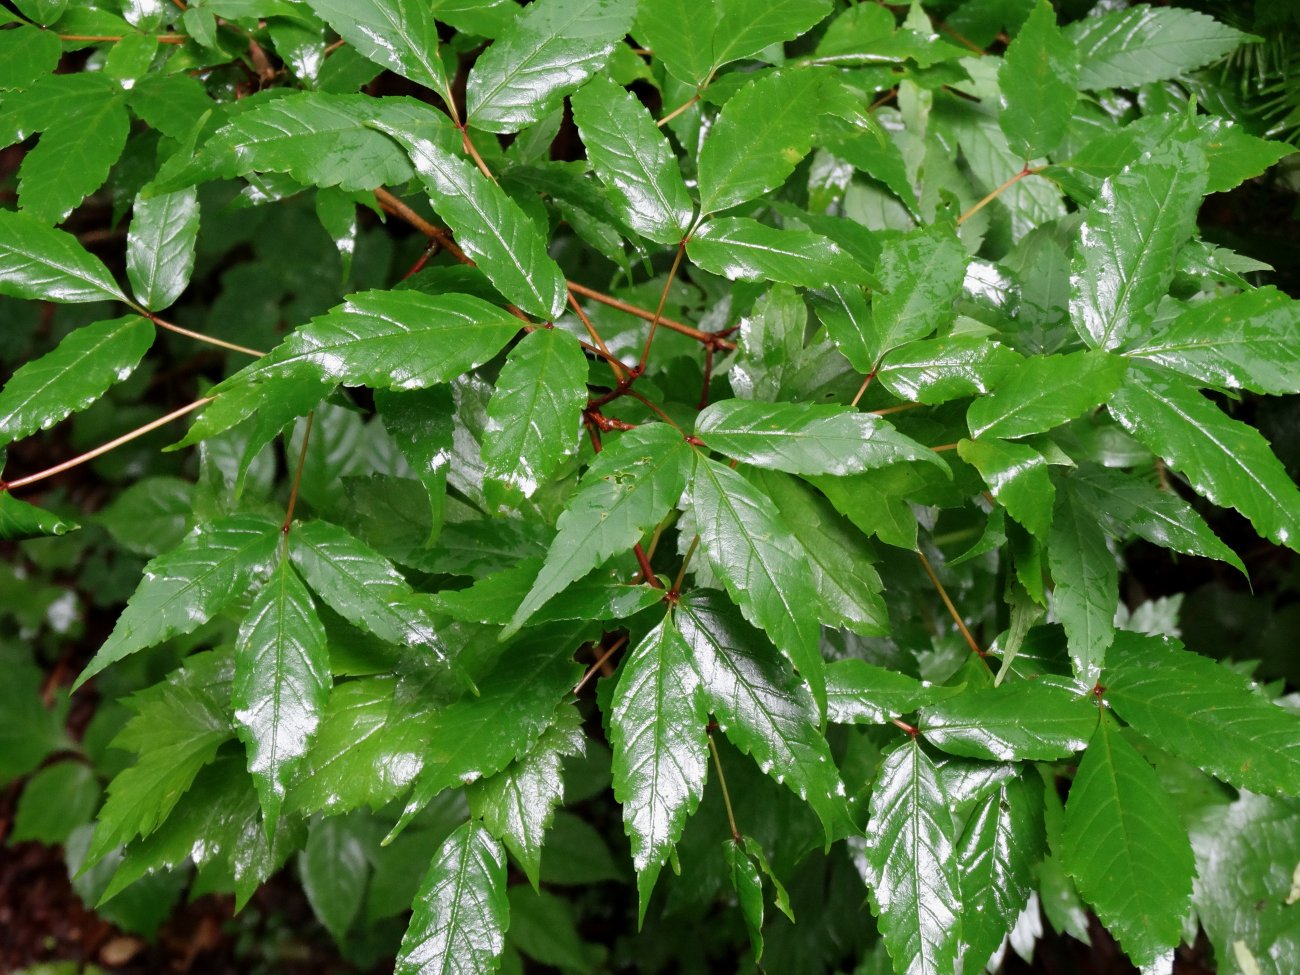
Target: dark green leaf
x=1087, y=585
x=421, y=424
x=1021, y=721
x=535, y=414
x=634, y=160
x=657, y=724
x=1204, y=713
x=1126, y=848
x=73, y=156
x=1124, y=261
x=54, y=802
x=909, y=863
x=761, y=134
x=1224, y=459
x=20, y=521
x=741, y=249
x=760, y=705
x=549, y=50
x=761, y=564
x=861, y=693
x=1129, y=47
x=1043, y=392
x=934, y=371
x=160, y=247
x=397, y=34
x=920, y=275
x=26, y=54
x=489, y=226
x=188, y=586
x=634, y=482
x=334, y=869
x=1017, y=476
x=1037, y=80
x=748, y=885
x=45, y=264
x=461, y=912
x=282, y=679
x=30, y=731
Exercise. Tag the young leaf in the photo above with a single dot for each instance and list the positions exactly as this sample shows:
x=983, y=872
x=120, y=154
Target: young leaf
x=1224, y=459
x=45, y=264
x=552, y=47
x=362, y=586
x=396, y=34
x=20, y=521
x=999, y=850
x=1204, y=713
x=461, y=911
x=741, y=249
x=761, y=134
x=1124, y=261
x=518, y=803
x=657, y=724
x=861, y=693
x=1125, y=847
x=805, y=438
x=920, y=276
x=1017, y=476
x=633, y=483
x=1133, y=46
x=761, y=565
x=489, y=226
x=1241, y=341
x=760, y=705
x=634, y=160
x=76, y=373
x=908, y=862
x=185, y=588
x=1087, y=585
x=534, y=415
x=1037, y=84
x=1020, y=721
x=282, y=679
x=1043, y=392
x=160, y=246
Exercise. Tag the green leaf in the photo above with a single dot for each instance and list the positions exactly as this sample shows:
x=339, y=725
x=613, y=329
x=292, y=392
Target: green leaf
x=1130, y=47
x=544, y=927
x=282, y=679
x=489, y=226
x=1017, y=476
x=746, y=27
x=1224, y=459
x=760, y=705
x=741, y=249
x=805, y=438
x=634, y=482
x=549, y=50
x=920, y=274
x=45, y=264
x=761, y=564
x=30, y=731
x=421, y=423
x=20, y=521
x=461, y=912
x=1205, y=713
x=518, y=803
x=26, y=54
x=838, y=554
x=396, y=34
x=761, y=134
x=160, y=247
x=479, y=735
x=1044, y=391
x=934, y=371
x=1124, y=261
x=334, y=870
x=748, y=885
x=861, y=693
x=1126, y=505
x=362, y=586
x=54, y=802
x=75, y=374
x=1087, y=585
x=73, y=156
x=189, y=585
x=1021, y=721
x=1126, y=848
x=909, y=864
x=1000, y=848
x=1037, y=80
x=634, y=160
x=1241, y=341
x=865, y=34
x=535, y=414
x=657, y=724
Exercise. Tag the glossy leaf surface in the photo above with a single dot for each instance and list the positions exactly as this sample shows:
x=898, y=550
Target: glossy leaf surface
x=40, y=262
x=741, y=249
x=1037, y=79
x=1130, y=47
x=1043, y=392
x=160, y=247
x=1014, y=722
